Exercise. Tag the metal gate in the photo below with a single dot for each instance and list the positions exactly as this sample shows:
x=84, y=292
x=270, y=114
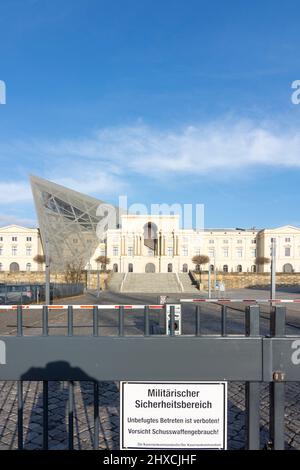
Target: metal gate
x=250, y=358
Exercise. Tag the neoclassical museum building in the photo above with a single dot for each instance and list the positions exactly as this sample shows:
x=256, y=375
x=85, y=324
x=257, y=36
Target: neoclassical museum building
x=69, y=229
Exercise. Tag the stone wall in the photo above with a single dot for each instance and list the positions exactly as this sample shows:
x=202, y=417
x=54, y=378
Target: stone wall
x=92, y=280
x=33, y=277
x=38, y=277
x=244, y=280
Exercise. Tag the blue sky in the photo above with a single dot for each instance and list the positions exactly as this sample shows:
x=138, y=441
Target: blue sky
x=166, y=101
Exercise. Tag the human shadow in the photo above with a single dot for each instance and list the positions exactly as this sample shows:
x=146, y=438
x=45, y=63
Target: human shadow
x=67, y=385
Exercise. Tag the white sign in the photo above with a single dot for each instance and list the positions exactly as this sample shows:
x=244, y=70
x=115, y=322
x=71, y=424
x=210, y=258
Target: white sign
x=173, y=415
x=2, y=352
x=177, y=317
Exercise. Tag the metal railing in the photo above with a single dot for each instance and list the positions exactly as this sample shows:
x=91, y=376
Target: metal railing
x=249, y=357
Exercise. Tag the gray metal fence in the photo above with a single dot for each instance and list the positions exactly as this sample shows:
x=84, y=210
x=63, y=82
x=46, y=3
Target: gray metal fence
x=249, y=357
x=24, y=293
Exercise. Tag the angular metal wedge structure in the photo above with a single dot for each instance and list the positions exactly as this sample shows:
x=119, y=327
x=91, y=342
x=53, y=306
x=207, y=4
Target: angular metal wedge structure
x=69, y=222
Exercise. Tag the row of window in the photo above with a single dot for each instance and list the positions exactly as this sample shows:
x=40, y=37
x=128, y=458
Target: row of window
x=225, y=242
x=16, y=267
x=14, y=251
x=15, y=239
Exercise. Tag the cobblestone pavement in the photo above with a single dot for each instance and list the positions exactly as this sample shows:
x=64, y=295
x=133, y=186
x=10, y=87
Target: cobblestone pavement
x=109, y=391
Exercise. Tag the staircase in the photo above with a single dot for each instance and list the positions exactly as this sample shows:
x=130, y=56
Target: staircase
x=115, y=282
x=154, y=283
x=188, y=286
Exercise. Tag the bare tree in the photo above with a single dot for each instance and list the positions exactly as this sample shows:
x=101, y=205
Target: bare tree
x=262, y=260
x=199, y=260
x=40, y=260
x=73, y=272
x=103, y=260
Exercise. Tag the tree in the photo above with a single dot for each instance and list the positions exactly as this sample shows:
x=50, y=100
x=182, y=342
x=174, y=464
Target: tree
x=103, y=260
x=39, y=259
x=262, y=260
x=73, y=272
x=199, y=260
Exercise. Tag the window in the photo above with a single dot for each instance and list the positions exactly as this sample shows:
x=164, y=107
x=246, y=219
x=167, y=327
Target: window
x=185, y=251
x=225, y=242
x=239, y=241
x=170, y=251
x=197, y=251
x=1, y=239
x=239, y=268
x=130, y=251
x=28, y=250
x=212, y=268
x=225, y=252
x=115, y=251
x=28, y=267
x=287, y=240
x=1, y=250
x=28, y=239
x=253, y=240
x=14, y=250
x=14, y=239
x=185, y=268
x=239, y=252
x=225, y=268
x=102, y=252
x=253, y=252
x=287, y=251
x=211, y=253
x=211, y=242
x=253, y=268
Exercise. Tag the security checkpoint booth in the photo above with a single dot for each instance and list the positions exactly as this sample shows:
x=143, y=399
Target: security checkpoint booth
x=163, y=359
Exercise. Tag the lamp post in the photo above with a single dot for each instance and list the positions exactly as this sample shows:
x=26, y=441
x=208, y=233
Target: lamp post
x=47, y=273
x=273, y=269
x=209, y=282
x=98, y=280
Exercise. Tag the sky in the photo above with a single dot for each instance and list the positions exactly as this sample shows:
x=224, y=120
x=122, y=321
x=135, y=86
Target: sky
x=164, y=101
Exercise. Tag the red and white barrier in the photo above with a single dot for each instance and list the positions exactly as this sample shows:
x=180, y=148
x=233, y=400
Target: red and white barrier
x=257, y=301
x=80, y=307
x=151, y=307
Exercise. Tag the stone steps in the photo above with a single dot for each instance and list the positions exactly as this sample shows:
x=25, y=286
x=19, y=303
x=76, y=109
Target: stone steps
x=154, y=283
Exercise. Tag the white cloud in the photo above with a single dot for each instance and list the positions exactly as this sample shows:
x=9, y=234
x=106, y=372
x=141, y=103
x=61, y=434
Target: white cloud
x=101, y=162
x=7, y=219
x=14, y=192
x=226, y=145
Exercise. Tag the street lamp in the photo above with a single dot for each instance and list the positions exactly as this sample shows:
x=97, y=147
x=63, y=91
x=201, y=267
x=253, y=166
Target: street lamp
x=98, y=280
x=273, y=268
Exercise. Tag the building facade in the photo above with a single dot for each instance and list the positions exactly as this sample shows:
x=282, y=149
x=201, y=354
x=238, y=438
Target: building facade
x=18, y=248
x=69, y=226
x=158, y=244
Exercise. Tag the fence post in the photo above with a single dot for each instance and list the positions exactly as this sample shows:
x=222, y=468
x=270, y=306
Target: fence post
x=276, y=388
x=252, y=392
x=172, y=320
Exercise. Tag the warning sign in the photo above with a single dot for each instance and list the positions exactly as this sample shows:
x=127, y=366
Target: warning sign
x=175, y=415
